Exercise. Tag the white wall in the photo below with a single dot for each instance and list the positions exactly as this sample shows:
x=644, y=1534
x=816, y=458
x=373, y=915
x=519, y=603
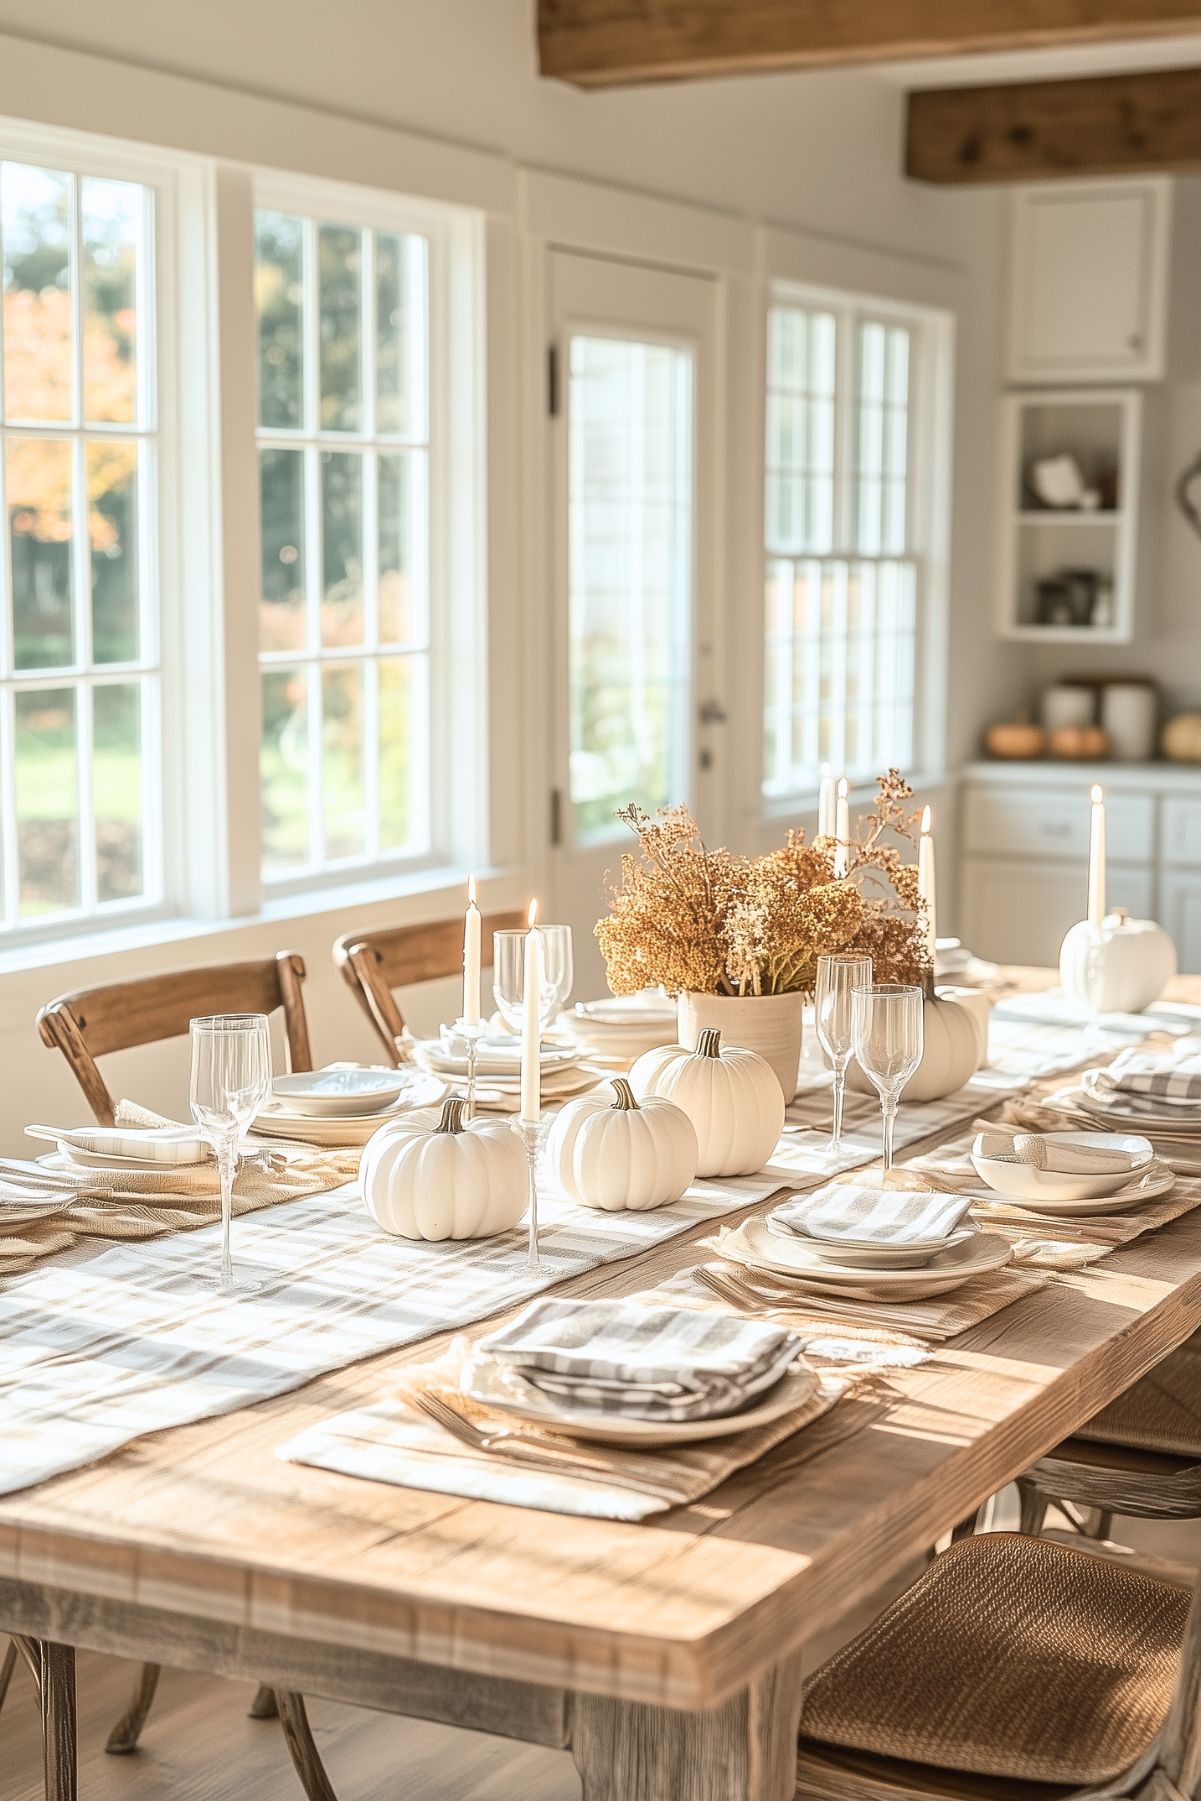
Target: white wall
x=820, y=152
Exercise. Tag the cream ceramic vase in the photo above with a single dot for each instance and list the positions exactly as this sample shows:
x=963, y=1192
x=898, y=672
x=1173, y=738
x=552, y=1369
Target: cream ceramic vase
x=770, y=1024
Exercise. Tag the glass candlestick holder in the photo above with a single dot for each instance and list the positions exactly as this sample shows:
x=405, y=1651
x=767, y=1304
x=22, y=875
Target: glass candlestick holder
x=533, y=1131
x=471, y=1035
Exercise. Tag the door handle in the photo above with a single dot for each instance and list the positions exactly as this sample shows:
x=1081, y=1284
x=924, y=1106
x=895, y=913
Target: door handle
x=711, y=712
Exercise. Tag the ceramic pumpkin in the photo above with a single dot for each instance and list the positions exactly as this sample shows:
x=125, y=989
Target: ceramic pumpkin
x=1078, y=743
x=1016, y=740
x=430, y=1176
x=622, y=1154
x=950, y=1053
x=731, y=1096
x=1120, y=969
x=1181, y=738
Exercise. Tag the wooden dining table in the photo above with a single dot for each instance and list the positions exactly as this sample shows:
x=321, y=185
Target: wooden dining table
x=668, y=1656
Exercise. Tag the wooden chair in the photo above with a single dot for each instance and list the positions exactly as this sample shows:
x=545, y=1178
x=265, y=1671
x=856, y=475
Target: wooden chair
x=91, y=1022
x=94, y=1021
x=1014, y=1669
x=375, y=964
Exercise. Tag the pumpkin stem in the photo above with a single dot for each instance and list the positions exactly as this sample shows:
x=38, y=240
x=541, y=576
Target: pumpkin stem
x=928, y=983
x=451, y=1117
x=625, y=1102
x=708, y=1043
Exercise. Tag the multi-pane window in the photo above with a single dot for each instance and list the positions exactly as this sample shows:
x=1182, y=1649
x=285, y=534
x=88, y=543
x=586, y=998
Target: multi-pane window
x=79, y=659
x=344, y=447
x=843, y=573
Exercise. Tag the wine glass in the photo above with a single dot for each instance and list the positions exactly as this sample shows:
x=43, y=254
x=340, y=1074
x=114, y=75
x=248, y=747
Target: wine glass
x=508, y=973
x=837, y=978
x=231, y=1079
x=888, y=1027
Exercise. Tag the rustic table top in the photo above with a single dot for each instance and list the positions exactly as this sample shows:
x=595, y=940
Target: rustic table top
x=205, y=1521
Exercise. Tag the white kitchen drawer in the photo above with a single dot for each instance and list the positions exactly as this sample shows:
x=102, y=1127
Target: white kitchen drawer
x=1054, y=822
x=1181, y=831
x=1018, y=912
x=1182, y=917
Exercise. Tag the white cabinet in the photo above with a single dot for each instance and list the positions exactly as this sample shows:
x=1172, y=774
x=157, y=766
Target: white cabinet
x=1088, y=272
x=1017, y=911
x=1182, y=916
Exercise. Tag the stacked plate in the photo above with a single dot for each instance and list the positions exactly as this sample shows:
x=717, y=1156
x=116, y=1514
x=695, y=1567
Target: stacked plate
x=826, y=1269
x=118, y=1150
x=340, y=1107
x=498, y=1070
x=617, y=1030
x=1057, y=1190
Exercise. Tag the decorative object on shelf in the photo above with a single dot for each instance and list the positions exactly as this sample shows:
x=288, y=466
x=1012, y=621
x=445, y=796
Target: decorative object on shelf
x=731, y=1096
x=433, y=1177
x=1120, y=966
x=622, y=1154
x=1189, y=508
x=1057, y=483
x=1067, y=703
x=1129, y=714
x=950, y=1053
x=1016, y=741
x=1180, y=740
x=1078, y=743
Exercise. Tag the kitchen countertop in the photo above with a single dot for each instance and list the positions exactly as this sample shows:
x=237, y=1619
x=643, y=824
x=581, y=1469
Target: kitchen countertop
x=1165, y=778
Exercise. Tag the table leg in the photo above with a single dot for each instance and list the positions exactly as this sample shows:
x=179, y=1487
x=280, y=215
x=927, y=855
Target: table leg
x=744, y=1750
x=58, y=1721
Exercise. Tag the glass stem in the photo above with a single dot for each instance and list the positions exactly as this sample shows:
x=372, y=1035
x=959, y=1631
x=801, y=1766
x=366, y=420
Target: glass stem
x=888, y=1109
x=472, y=1054
x=840, y=1090
x=227, y=1155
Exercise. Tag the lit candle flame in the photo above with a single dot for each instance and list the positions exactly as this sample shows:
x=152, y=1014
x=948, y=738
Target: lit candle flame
x=471, y=891
x=927, y=819
x=533, y=917
x=1096, y=794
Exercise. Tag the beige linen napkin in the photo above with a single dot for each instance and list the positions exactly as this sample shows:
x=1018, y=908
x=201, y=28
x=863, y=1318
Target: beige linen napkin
x=395, y=1442
x=148, y=1203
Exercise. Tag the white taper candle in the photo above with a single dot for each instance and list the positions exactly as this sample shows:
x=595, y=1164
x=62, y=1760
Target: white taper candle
x=471, y=959
x=842, y=826
x=926, y=879
x=1096, y=860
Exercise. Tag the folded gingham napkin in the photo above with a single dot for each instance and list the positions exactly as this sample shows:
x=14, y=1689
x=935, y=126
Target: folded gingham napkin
x=860, y=1214
x=169, y=1145
x=1172, y=1077
x=653, y=1363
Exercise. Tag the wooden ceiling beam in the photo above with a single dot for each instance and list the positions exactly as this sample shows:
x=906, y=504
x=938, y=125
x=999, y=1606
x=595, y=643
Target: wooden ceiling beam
x=615, y=43
x=1048, y=130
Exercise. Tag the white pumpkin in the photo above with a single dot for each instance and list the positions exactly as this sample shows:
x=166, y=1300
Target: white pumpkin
x=429, y=1176
x=620, y=1154
x=731, y=1096
x=950, y=1053
x=1120, y=969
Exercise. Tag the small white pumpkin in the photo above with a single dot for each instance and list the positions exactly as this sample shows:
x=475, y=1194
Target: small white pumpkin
x=429, y=1176
x=731, y=1096
x=1120, y=969
x=950, y=1053
x=617, y=1155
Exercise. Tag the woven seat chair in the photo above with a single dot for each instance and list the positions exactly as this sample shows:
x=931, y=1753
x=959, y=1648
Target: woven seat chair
x=1013, y=1669
x=375, y=964
x=94, y=1022
x=1141, y=1455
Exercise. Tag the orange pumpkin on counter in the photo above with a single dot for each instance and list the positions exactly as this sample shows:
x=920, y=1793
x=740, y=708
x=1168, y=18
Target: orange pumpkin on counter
x=1015, y=740
x=1079, y=743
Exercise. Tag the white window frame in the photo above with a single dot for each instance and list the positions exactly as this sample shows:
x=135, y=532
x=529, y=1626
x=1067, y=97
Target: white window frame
x=927, y=498
x=170, y=178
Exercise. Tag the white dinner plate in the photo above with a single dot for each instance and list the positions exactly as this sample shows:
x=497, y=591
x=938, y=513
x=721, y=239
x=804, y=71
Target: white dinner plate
x=340, y=1093
x=279, y=1120
x=1022, y=1182
x=858, y=1254
x=1150, y=1185
x=625, y=1011
x=752, y=1245
x=499, y=1386
x=115, y=1164
x=490, y=1060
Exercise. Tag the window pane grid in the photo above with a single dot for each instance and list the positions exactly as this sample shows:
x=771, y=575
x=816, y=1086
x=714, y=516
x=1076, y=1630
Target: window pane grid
x=80, y=786
x=344, y=619
x=842, y=574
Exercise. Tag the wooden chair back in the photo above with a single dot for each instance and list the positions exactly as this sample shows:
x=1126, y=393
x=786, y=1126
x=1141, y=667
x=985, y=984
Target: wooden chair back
x=91, y=1022
x=375, y=964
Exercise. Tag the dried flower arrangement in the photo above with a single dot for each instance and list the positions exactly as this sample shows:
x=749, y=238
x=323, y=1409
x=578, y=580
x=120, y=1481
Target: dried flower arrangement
x=697, y=921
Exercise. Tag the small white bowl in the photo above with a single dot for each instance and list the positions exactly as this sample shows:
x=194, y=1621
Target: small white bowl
x=340, y=1093
x=1022, y=1182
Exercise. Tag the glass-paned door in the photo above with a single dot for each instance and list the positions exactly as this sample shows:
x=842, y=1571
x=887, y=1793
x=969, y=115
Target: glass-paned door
x=632, y=569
